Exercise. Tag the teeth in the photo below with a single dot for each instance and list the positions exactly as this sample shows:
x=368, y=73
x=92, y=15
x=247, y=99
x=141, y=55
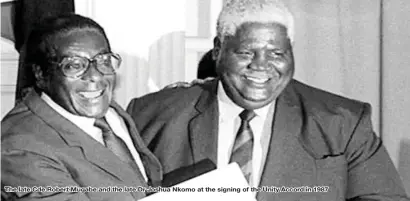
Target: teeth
x=257, y=80
x=91, y=94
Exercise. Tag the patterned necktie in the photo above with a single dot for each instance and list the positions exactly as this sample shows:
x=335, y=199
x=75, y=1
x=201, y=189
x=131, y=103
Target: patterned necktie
x=117, y=145
x=243, y=147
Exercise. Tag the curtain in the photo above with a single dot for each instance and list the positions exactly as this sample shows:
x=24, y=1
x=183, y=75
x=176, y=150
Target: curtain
x=395, y=87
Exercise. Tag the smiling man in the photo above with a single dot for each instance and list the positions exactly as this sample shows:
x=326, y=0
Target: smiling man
x=69, y=134
x=255, y=64
x=281, y=132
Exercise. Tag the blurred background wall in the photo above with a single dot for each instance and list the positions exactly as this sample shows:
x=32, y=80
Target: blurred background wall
x=355, y=48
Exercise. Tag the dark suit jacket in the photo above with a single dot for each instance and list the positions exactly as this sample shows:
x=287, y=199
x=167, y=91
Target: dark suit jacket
x=39, y=147
x=318, y=139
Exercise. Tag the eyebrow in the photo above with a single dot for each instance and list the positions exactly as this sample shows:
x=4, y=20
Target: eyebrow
x=71, y=54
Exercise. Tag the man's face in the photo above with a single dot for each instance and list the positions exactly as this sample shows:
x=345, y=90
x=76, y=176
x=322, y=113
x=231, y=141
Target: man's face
x=255, y=64
x=90, y=94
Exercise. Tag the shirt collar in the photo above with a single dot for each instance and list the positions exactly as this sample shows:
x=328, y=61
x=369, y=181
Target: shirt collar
x=228, y=109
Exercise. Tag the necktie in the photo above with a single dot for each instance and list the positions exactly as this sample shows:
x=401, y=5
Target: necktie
x=243, y=146
x=117, y=145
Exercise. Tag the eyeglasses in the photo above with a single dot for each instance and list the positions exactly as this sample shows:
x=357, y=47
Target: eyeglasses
x=76, y=66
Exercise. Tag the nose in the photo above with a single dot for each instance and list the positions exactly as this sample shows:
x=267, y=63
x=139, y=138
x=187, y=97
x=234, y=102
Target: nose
x=92, y=74
x=259, y=62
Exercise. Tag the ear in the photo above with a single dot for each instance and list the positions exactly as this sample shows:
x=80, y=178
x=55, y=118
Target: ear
x=217, y=48
x=291, y=42
x=39, y=75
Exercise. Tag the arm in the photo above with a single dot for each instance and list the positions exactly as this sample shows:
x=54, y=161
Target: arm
x=27, y=169
x=371, y=173
x=190, y=84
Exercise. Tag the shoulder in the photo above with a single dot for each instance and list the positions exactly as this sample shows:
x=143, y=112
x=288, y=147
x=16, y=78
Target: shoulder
x=170, y=107
x=319, y=101
x=179, y=97
x=18, y=118
x=23, y=130
x=331, y=121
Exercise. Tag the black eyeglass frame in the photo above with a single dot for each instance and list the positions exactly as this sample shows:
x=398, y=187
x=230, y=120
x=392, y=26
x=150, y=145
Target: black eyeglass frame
x=68, y=60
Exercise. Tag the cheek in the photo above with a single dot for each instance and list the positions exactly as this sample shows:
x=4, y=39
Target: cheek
x=65, y=89
x=282, y=68
x=111, y=82
x=63, y=93
x=232, y=65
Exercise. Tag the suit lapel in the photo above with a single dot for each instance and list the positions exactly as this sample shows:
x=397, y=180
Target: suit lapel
x=203, y=127
x=93, y=151
x=151, y=164
x=286, y=128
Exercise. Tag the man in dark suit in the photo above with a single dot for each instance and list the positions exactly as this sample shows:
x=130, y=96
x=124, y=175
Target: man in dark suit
x=69, y=140
x=282, y=133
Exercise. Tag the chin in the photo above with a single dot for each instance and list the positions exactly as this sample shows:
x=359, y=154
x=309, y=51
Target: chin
x=251, y=103
x=96, y=112
x=248, y=104
x=93, y=115
x=92, y=110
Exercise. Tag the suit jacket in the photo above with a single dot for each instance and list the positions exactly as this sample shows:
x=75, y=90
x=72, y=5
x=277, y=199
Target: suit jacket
x=42, y=148
x=318, y=140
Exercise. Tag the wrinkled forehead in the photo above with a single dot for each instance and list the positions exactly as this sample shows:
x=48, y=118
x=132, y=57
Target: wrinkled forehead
x=82, y=42
x=270, y=28
x=251, y=32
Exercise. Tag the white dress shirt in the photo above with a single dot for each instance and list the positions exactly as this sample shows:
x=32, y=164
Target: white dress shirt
x=229, y=122
x=116, y=123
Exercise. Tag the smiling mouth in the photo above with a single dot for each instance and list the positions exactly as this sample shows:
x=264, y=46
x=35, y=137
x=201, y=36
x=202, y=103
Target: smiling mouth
x=91, y=94
x=257, y=80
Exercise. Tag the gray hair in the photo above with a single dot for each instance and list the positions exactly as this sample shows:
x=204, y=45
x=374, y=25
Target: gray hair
x=236, y=12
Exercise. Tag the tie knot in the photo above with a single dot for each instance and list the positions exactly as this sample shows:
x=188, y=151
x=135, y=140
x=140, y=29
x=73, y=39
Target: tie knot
x=247, y=115
x=102, y=124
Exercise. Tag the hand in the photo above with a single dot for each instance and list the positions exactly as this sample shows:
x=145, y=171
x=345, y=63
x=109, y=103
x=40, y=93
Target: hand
x=187, y=85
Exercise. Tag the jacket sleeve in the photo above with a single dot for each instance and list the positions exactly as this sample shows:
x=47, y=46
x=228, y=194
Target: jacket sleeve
x=133, y=109
x=371, y=173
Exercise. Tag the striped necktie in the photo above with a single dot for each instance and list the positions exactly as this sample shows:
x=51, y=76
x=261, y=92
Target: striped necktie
x=243, y=146
x=117, y=145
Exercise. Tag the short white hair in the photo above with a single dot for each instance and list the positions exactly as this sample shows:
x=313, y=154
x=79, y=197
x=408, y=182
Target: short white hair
x=236, y=12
